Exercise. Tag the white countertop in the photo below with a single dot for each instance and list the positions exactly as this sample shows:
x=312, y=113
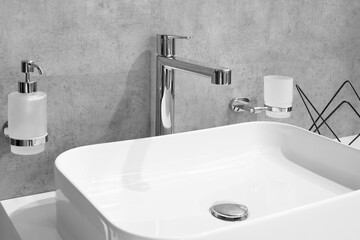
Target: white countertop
x=34, y=217
x=355, y=144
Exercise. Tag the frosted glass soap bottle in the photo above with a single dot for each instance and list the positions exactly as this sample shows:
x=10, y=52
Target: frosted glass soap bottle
x=27, y=115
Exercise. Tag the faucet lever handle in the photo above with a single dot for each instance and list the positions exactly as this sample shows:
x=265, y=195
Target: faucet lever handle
x=177, y=37
x=166, y=44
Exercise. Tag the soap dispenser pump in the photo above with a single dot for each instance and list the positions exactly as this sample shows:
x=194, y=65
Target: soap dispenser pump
x=27, y=114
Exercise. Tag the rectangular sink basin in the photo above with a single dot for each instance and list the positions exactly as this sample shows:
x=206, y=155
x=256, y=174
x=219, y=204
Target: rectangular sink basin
x=163, y=187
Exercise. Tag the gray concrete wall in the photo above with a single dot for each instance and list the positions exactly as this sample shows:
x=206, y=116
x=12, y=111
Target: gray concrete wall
x=98, y=56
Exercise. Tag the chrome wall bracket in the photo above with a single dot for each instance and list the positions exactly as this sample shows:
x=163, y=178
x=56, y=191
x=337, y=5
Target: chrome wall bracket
x=243, y=104
x=24, y=142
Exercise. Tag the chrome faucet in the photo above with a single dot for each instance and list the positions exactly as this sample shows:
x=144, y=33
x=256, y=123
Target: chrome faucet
x=166, y=63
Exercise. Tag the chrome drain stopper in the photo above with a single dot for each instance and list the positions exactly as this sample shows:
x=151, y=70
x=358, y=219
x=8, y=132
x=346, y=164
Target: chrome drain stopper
x=229, y=211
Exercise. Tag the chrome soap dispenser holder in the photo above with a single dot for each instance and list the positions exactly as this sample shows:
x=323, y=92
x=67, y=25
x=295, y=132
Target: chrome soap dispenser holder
x=28, y=86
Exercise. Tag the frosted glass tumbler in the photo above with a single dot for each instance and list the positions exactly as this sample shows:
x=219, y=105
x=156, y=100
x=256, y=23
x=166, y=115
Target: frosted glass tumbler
x=278, y=92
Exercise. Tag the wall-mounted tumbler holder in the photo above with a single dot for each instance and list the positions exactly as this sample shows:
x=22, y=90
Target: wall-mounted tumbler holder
x=278, y=97
x=243, y=104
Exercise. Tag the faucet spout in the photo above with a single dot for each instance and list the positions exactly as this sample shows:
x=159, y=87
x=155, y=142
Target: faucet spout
x=218, y=75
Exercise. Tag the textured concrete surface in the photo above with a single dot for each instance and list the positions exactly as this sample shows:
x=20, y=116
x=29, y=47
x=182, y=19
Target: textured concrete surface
x=98, y=56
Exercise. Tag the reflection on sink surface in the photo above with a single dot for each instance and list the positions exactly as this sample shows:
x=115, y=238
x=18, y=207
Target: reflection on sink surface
x=163, y=187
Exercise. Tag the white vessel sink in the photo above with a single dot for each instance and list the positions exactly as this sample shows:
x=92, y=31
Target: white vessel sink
x=163, y=187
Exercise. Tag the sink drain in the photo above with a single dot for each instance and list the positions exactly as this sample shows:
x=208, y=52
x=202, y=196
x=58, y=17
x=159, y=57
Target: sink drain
x=229, y=211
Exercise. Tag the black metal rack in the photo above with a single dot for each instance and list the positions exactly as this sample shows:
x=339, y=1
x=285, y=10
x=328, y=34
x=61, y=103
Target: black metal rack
x=315, y=126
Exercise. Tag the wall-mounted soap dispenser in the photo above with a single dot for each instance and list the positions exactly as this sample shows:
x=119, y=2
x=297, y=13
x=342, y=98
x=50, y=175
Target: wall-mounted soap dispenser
x=27, y=115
